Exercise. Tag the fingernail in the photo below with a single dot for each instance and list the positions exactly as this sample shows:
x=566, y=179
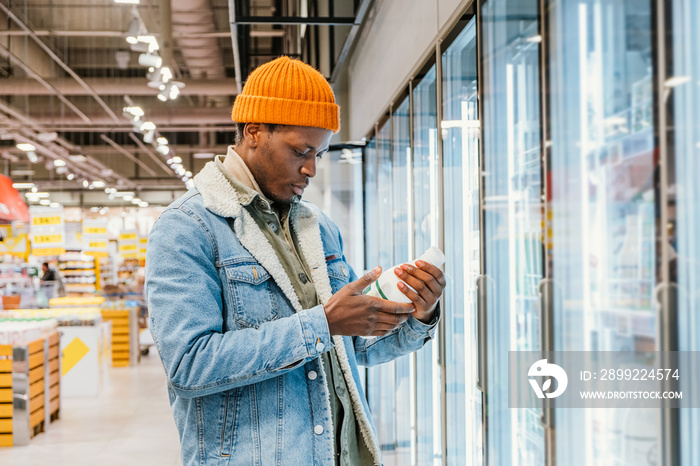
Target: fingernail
x=420, y=263
x=376, y=270
x=398, y=271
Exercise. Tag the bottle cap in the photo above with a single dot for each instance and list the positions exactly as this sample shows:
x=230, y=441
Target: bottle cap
x=434, y=256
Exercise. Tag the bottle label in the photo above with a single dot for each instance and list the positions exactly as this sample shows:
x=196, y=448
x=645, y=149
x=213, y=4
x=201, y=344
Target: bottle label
x=375, y=290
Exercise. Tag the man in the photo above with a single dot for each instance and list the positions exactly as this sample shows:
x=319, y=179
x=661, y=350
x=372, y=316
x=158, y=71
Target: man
x=259, y=320
x=49, y=274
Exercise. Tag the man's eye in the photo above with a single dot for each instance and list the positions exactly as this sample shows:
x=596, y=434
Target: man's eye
x=300, y=154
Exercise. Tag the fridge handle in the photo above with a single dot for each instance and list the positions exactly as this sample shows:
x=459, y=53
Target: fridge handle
x=545, y=289
x=481, y=282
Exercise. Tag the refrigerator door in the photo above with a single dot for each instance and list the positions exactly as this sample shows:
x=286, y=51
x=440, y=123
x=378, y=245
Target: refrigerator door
x=513, y=216
x=460, y=138
x=684, y=199
x=602, y=211
x=425, y=227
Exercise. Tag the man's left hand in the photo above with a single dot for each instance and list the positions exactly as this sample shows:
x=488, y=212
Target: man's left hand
x=429, y=283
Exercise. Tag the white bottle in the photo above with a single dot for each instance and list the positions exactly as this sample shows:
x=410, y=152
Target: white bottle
x=386, y=285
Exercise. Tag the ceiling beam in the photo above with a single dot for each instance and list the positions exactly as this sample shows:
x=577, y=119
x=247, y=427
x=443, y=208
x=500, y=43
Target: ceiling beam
x=297, y=20
x=128, y=154
x=116, y=34
x=113, y=86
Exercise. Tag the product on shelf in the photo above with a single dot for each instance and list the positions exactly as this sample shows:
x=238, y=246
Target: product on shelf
x=80, y=273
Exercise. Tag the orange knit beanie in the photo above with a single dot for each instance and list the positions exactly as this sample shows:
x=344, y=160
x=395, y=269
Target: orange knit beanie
x=287, y=92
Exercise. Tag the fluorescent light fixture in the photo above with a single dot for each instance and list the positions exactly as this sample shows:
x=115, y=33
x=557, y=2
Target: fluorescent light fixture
x=165, y=150
x=47, y=137
x=70, y=176
x=188, y=174
x=85, y=183
x=23, y=185
x=135, y=200
x=55, y=205
x=148, y=137
x=128, y=2
x=175, y=159
x=173, y=92
x=61, y=170
x=39, y=195
x=26, y=147
x=59, y=163
x=535, y=38
x=124, y=193
x=135, y=111
x=134, y=29
x=163, y=141
x=45, y=202
x=34, y=189
x=147, y=126
x=143, y=204
x=165, y=74
x=77, y=158
x=674, y=81
x=128, y=198
x=149, y=59
x=98, y=184
x=152, y=42
x=163, y=95
x=31, y=155
x=203, y=155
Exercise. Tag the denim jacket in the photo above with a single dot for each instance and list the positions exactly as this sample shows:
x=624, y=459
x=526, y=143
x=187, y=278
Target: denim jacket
x=245, y=379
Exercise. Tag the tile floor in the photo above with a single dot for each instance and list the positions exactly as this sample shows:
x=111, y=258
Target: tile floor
x=128, y=424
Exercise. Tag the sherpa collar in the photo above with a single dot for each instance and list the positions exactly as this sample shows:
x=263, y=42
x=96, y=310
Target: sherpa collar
x=220, y=198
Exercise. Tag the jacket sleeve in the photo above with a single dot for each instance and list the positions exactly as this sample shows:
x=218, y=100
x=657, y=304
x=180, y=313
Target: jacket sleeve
x=185, y=300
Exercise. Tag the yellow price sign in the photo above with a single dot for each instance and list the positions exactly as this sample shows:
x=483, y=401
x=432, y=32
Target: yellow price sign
x=55, y=220
x=127, y=236
x=128, y=247
x=143, y=240
x=48, y=251
x=44, y=239
x=97, y=244
x=96, y=253
x=94, y=231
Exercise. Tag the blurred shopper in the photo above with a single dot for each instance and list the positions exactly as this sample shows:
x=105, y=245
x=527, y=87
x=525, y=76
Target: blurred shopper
x=49, y=273
x=258, y=318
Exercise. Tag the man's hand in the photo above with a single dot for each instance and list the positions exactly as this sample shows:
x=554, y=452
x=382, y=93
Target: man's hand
x=429, y=283
x=351, y=313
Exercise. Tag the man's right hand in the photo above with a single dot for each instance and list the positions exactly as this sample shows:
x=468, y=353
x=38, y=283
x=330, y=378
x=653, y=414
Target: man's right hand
x=351, y=313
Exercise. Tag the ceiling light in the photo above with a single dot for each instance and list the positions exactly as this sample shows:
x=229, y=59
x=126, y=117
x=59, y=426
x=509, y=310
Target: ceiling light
x=39, y=195
x=134, y=29
x=26, y=147
x=143, y=204
x=175, y=159
x=163, y=95
x=19, y=172
x=165, y=150
x=98, y=184
x=152, y=44
x=59, y=163
x=135, y=111
x=147, y=126
x=148, y=137
x=148, y=59
x=77, y=158
x=128, y=198
x=188, y=174
x=124, y=193
x=61, y=170
x=55, y=205
x=70, y=176
x=185, y=178
x=22, y=185
x=34, y=189
x=162, y=140
x=45, y=202
x=128, y=2
x=173, y=92
x=203, y=155
x=85, y=183
x=535, y=38
x=135, y=200
x=91, y=186
x=165, y=74
x=31, y=155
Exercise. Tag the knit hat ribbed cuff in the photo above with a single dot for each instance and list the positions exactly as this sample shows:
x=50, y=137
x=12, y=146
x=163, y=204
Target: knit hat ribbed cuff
x=274, y=110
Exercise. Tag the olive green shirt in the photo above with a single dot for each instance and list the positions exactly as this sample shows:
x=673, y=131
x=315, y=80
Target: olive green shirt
x=273, y=221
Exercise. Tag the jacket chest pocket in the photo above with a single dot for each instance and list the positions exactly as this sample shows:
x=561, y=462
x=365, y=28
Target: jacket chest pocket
x=339, y=274
x=251, y=292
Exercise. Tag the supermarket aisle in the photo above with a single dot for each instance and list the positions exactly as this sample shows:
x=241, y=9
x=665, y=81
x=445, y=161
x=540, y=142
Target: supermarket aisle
x=130, y=423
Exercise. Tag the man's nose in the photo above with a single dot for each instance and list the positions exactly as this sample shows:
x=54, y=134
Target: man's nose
x=309, y=168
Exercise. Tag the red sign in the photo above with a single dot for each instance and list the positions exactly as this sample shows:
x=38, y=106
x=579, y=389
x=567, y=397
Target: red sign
x=12, y=206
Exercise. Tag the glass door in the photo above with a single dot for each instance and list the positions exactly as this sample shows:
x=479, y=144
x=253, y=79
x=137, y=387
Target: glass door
x=604, y=210
x=402, y=221
x=513, y=216
x=683, y=253
x=426, y=230
x=460, y=138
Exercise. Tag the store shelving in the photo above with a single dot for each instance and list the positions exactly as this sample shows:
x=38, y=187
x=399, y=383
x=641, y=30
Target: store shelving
x=80, y=273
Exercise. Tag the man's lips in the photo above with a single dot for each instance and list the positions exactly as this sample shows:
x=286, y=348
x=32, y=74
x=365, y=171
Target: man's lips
x=298, y=190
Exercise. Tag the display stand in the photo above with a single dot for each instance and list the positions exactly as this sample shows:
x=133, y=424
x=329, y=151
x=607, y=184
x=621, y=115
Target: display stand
x=5, y=396
x=125, y=336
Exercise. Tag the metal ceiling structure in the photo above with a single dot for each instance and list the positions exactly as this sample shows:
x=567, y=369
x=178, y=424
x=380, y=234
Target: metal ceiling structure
x=75, y=84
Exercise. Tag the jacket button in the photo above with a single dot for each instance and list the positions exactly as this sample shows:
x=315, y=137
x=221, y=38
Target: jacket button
x=318, y=429
x=303, y=277
x=320, y=346
x=312, y=375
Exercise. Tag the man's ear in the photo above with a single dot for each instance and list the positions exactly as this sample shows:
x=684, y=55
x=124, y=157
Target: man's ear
x=252, y=132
